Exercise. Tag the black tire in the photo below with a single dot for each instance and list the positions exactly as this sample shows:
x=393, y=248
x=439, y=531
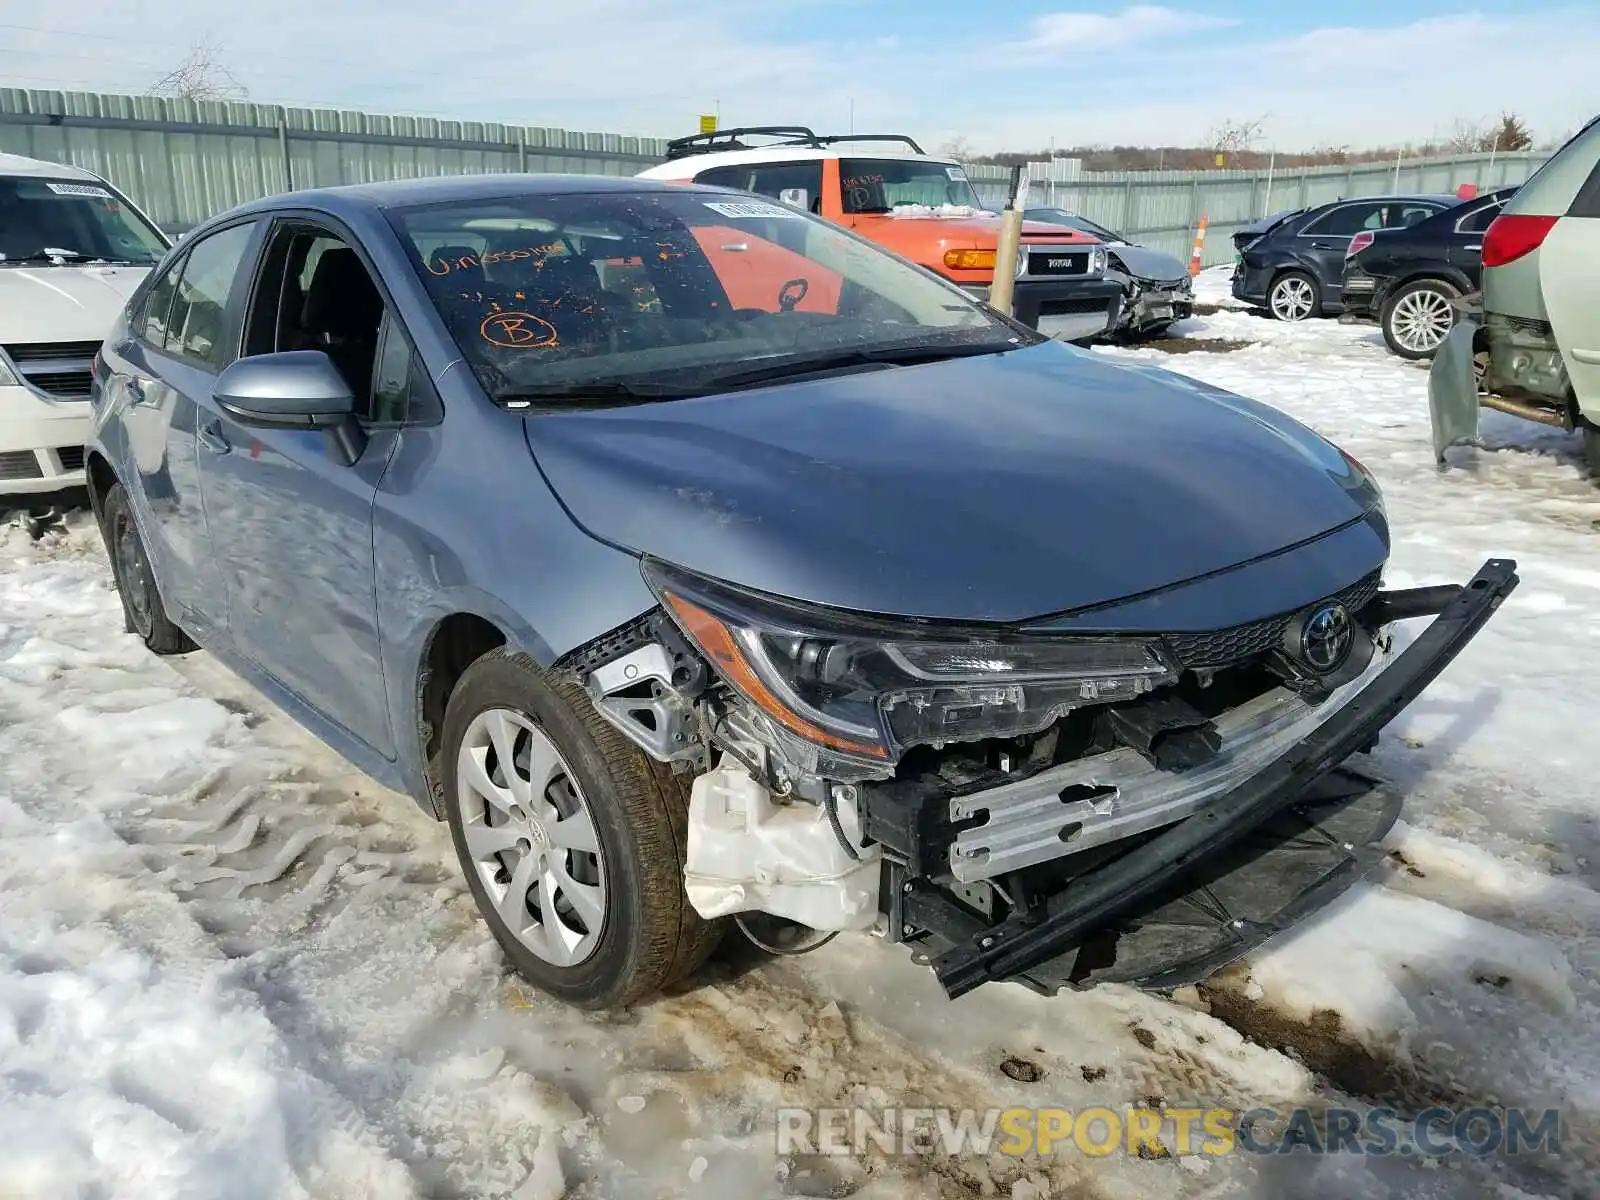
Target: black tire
x=651, y=936
x=143, y=612
x=1591, y=450
x=1432, y=288
x=1295, y=279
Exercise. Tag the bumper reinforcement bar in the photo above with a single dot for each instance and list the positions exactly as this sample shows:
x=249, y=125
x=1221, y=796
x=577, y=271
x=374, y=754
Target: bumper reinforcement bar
x=1027, y=940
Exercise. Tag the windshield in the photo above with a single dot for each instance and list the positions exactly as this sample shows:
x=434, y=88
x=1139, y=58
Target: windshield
x=54, y=221
x=879, y=185
x=569, y=297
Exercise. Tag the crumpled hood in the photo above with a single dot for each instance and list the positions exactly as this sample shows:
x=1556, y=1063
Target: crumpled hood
x=1145, y=263
x=995, y=488
x=63, y=304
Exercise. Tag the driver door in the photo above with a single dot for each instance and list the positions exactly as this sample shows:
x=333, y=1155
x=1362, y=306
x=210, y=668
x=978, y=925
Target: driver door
x=292, y=522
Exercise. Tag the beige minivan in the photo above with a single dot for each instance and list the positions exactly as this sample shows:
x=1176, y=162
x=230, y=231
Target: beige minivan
x=1538, y=339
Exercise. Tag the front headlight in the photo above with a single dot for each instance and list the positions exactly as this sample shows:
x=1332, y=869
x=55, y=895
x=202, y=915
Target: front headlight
x=1098, y=258
x=868, y=688
x=8, y=378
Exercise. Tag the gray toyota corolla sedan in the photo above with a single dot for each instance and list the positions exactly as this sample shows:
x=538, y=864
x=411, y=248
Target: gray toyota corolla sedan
x=706, y=567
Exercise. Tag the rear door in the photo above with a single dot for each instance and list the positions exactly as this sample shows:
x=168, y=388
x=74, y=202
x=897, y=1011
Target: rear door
x=1569, y=277
x=186, y=333
x=1324, y=240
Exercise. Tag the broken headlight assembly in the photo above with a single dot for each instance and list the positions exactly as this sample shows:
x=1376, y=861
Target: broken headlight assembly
x=866, y=688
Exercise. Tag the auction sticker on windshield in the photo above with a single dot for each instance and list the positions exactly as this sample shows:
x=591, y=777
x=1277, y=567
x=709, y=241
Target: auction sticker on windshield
x=79, y=189
x=740, y=208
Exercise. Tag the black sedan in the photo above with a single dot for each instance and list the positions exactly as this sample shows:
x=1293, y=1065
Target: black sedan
x=1295, y=267
x=1408, y=278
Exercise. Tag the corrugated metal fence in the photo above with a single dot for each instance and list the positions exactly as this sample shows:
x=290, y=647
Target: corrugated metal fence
x=1162, y=208
x=183, y=160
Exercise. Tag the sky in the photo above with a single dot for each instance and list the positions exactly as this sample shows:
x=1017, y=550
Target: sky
x=1022, y=76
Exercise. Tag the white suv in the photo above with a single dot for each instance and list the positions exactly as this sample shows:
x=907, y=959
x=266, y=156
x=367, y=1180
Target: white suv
x=72, y=250
x=1538, y=337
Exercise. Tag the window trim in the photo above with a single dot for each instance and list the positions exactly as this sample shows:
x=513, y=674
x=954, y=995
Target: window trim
x=314, y=221
x=232, y=311
x=1456, y=228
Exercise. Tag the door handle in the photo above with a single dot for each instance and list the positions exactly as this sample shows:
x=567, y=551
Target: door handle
x=1474, y=246
x=211, y=438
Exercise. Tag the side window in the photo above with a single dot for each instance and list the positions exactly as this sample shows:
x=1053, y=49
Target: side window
x=391, y=377
x=151, y=324
x=197, y=326
x=1403, y=216
x=797, y=183
x=401, y=390
x=1479, y=222
x=728, y=177
x=315, y=293
x=1345, y=221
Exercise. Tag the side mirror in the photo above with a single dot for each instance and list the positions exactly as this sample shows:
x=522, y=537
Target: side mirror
x=294, y=389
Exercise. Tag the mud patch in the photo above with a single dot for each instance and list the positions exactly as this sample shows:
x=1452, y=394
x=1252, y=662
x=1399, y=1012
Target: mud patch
x=1021, y=1070
x=1190, y=345
x=1321, y=1044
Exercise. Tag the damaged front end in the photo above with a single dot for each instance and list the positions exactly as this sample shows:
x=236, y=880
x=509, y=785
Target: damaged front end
x=1150, y=305
x=1059, y=810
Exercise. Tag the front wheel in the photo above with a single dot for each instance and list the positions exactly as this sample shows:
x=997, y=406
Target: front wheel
x=1416, y=318
x=1591, y=450
x=1294, y=296
x=571, y=839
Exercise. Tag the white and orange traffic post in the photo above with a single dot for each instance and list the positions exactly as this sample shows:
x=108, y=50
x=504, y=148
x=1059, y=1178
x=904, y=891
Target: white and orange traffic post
x=1199, y=246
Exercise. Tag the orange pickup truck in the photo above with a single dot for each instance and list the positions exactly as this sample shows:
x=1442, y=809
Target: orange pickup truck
x=921, y=208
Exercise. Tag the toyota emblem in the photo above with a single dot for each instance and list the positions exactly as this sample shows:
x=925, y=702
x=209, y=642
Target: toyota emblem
x=1326, y=638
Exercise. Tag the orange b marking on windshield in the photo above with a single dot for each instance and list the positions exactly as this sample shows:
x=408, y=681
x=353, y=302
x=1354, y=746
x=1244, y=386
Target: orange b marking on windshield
x=518, y=331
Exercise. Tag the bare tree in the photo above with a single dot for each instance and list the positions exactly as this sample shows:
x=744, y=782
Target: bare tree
x=200, y=76
x=1465, y=137
x=1235, y=137
x=958, y=149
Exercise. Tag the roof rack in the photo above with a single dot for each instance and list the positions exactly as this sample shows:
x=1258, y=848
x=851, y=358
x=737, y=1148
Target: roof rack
x=788, y=135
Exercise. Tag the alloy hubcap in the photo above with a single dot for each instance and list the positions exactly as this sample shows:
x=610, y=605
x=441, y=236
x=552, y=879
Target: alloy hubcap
x=1291, y=300
x=1421, y=320
x=531, y=837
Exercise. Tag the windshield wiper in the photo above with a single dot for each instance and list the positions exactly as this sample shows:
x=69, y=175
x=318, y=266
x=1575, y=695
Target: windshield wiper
x=898, y=356
x=52, y=254
x=603, y=393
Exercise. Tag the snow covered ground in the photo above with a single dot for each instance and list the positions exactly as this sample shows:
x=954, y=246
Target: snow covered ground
x=230, y=966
